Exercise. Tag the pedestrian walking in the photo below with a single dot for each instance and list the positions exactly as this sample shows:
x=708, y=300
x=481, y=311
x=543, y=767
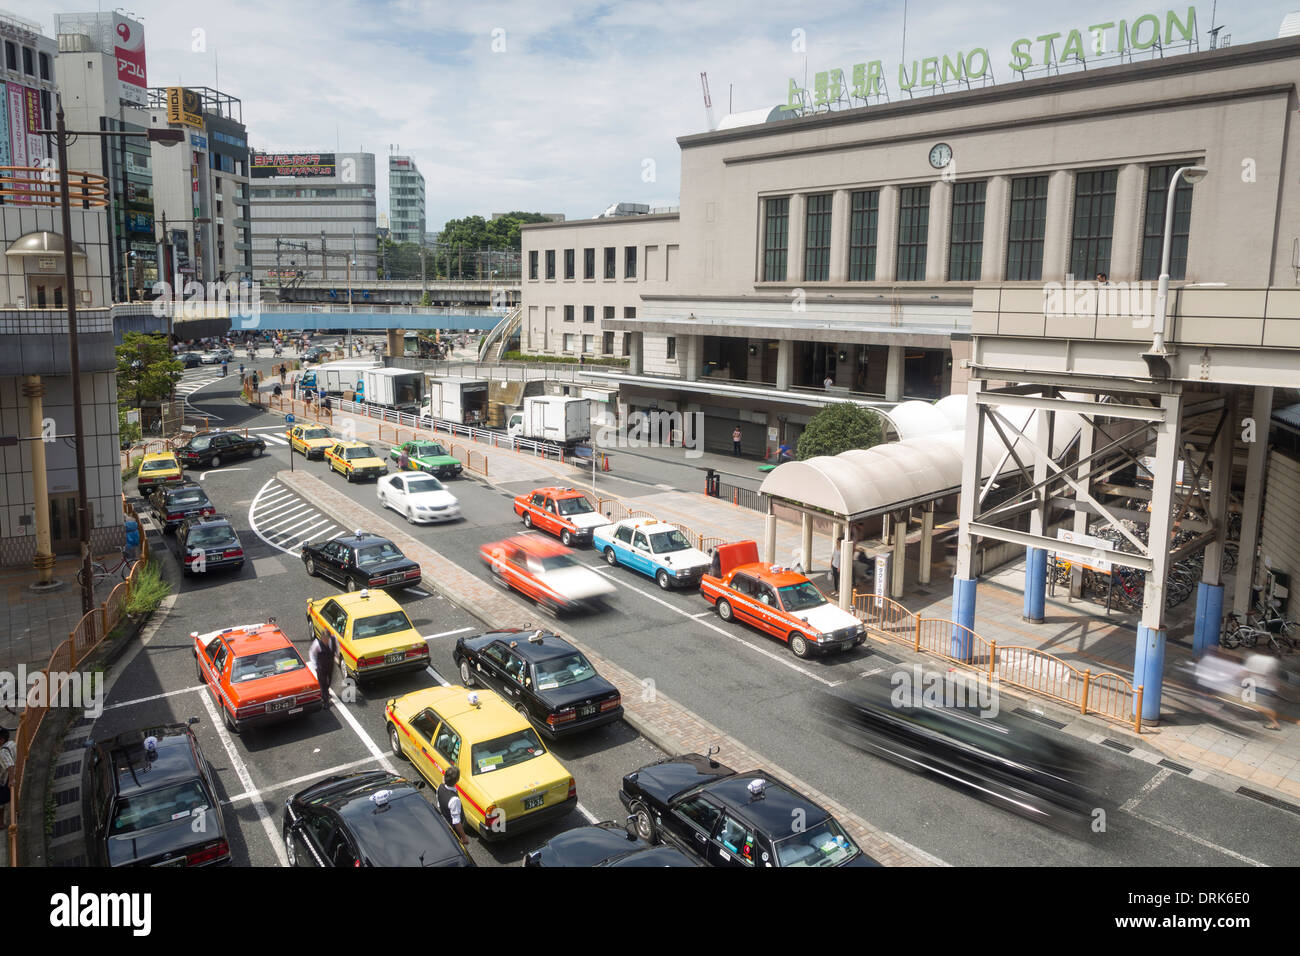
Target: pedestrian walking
x=284, y=370
x=241, y=371
x=735, y=441
x=784, y=454
x=132, y=539
x=321, y=656
x=1262, y=670
x=835, y=566
x=8, y=757
x=449, y=803
x=403, y=460
x=828, y=382
x=224, y=368
x=715, y=563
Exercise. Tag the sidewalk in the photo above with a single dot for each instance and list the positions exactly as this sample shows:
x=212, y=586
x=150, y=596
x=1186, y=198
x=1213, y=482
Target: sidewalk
x=32, y=625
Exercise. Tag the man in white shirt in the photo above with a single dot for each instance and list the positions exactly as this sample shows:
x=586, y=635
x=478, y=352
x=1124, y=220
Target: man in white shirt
x=449, y=803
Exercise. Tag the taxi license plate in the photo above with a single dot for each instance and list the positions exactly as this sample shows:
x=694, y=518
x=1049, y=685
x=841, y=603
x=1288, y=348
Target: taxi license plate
x=587, y=711
x=278, y=705
x=394, y=578
x=179, y=861
x=532, y=803
x=394, y=658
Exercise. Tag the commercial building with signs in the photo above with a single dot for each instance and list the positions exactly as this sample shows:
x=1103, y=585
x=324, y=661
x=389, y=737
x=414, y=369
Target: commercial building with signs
x=405, y=200
x=305, y=202
x=101, y=75
x=27, y=84
x=202, y=185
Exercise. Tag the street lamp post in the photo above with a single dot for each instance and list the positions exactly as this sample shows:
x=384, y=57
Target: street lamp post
x=1158, y=358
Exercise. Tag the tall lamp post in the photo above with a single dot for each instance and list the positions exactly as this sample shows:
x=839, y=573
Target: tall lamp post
x=166, y=137
x=1158, y=358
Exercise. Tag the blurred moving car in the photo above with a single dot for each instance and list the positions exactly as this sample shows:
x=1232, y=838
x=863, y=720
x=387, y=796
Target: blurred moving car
x=545, y=572
x=172, y=504
x=509, y=781
x=727, y=818
x=158, y=468
x=355, y=460
x=778, y=601
x=429, y=456
x=655, y=548
x=212, y=448
x=190, y=359
x=1003, y=760
x=604, y=844
x=372, y=633
x=372, y=818
x=255, y=674
x=207, y=542
x=563, y=512
x=421, y=498
x=149, y=800
x=360, y=560
x=549, y=680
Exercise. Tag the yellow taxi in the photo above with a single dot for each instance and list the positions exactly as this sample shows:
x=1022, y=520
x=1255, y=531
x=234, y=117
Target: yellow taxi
x=159, y=468
x=310, y=440
x=509, y=782
x=355, y=460
x=370, y=631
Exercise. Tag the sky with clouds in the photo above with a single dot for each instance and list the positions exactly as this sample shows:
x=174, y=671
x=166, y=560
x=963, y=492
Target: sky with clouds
x=556, y=107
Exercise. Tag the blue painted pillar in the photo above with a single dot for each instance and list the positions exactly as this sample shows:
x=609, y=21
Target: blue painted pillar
x=1148, y=669
x=1035, y=584
x=1209, y=614
x=963, y=613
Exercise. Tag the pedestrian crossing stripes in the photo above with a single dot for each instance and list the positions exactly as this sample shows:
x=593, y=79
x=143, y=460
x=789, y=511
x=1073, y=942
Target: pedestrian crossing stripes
x=286, y=522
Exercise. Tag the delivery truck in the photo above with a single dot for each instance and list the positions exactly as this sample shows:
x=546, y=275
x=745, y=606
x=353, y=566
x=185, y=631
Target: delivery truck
x=335, y=378
x=557, y=419
x=459, y=400
x=396, y=388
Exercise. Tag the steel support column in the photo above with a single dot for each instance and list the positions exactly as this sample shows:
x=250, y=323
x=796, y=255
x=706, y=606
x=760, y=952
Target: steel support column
x=1262, y=413
x=927, y=544
x=806, y=542
x=898, y=572
x=963, y=582
x=1080, y=525
x=1209, y=592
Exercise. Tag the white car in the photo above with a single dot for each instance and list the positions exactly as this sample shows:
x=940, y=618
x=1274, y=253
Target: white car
x=421, y=498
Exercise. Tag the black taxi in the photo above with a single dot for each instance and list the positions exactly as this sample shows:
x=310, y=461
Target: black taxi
x=361, y=560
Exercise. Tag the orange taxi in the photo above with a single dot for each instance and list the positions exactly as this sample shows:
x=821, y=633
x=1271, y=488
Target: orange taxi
x=779, y=602
x=564, y=512
x=544, y=571
x=255, y=675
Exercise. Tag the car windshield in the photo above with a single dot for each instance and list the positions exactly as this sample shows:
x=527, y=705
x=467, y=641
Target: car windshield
x=824, y=845
x=377, y=554
x=420, y=486
x=563, y=671
x=801, y=597
x=666, y=542
x=316, y=433
x=161, y=464
x=146, y=810
x=216, y=536
x=363, y=452
x=428, y=451
x=187, y=497
x=378, y=625
x=507, y=751
x=575, y=506
x=200, y=444
x=551, y=562
x=265, y=664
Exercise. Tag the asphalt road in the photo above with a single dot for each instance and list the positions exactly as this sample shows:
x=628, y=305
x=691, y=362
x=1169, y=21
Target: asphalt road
x=734, y=677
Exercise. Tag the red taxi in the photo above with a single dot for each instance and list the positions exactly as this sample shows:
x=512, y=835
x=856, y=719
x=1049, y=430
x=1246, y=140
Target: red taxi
x=564, y=512
x=255, y=674
x=778, y=601
x=544, y=571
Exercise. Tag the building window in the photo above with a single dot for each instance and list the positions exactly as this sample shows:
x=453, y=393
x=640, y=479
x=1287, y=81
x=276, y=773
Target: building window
x=863, y=221
x=611, y=262
x=1153, y=233
x=568, y=342
x=532, y=263
x=568, y=313
x=671, y=347
x=629, y=262
x=775, y=235
x=589, y=313
x=1094, y=221
x=627, y=343
x=607, y=343
x=817, y=239
x=913, y=228
x=589, y=263
x=629, y=312
x=45, y=66
x=29, y=63
x=609, y=312
x=966, y=245
x=568, y=263
x=11, y=56
x=586, y=343
x=1027, y=227
x=550, y=263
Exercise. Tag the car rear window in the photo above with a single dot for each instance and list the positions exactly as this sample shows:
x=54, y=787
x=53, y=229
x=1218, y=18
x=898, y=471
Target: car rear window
x=161, y=464
x=824, y=845
x=377, y=554
x=377, y=625
x=187, y=497
x=145, y=810
x=200, y=444
x=265, y=664
x=419, y=486
x=508, y=751
x=211, y=536
x=563, y=671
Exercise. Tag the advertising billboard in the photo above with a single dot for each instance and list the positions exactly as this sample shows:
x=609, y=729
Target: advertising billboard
x=4, y=125
x=36, y=151
x=184, y=107
x=266, y=165
x=133, y=87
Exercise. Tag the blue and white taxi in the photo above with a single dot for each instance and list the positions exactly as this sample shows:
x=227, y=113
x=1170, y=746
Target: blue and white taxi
x=654, y=548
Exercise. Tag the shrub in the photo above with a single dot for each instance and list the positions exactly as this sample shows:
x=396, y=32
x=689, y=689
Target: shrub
x=838, y=428
x=150, y=588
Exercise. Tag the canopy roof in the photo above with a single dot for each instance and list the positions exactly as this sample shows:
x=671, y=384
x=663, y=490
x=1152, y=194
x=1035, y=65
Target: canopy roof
x=924, y=464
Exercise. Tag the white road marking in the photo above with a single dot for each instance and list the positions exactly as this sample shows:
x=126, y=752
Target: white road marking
x=301, y=541
x=417, y=592
x=286, y=533
x=438, y=677
x=245, y=778
x=279, y=495
x=219, y=471
x=586, y=813
x=252, y=519
x=459, y=630
x=303, y=779
x=783, y=661
x=1161, y=776
x=144, y=700
x=286, y=509
x=1196, y=839
x=337, y=707
x=274, y=439
x=696, y=617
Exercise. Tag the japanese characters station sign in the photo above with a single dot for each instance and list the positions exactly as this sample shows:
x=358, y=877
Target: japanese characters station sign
x=1111, y=38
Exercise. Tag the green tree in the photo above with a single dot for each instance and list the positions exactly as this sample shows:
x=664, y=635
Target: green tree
x=838, y=428
x=146, y=370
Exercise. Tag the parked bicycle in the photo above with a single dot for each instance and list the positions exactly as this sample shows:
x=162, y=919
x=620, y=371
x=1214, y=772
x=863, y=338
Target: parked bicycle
x=119, y=569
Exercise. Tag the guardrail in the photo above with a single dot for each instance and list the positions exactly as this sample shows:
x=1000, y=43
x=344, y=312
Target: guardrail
x=1105, y=694
x=744, y=497
x=93, y=627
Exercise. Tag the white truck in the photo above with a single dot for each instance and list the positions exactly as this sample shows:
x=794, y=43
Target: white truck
x=335, y=378
x=460, y=400
x=558, y=419
x=396, y=388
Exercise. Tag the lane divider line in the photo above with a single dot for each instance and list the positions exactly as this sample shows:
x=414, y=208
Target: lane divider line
x=303, y=779
x=145, y=700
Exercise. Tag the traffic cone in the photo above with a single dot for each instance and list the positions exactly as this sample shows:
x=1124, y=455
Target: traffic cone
x=605, y=462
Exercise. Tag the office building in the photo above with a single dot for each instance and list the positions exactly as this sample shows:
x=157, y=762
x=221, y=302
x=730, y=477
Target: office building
x=405, y=200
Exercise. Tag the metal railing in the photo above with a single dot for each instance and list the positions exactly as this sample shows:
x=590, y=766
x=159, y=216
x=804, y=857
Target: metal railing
x=84, y=637
x=274, y=308
x=1105, y=694
x=744, y=497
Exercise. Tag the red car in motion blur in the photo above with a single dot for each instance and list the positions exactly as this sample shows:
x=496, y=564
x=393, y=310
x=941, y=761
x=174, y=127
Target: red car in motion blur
x=544, y=571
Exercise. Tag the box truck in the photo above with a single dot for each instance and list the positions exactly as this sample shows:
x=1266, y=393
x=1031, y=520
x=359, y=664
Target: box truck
x=459, y=400
x=393, y=388
x=335, y=378
x=557, y=419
